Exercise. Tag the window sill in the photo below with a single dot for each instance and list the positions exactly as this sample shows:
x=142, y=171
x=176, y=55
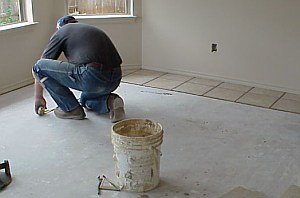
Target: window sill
x=108, y=19
x=17, y=27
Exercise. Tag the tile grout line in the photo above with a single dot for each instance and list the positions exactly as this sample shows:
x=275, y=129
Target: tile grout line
x=129, y=73
x=182, y=83
x=212, y=89
x=154, y=79
x=244, y=94
x=277, y=100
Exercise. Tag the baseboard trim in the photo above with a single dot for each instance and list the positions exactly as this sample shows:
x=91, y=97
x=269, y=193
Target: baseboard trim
x=14, y=86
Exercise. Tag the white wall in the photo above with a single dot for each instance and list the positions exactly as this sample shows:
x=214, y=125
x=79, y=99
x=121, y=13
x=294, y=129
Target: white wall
x=21, y=48
x=258, y=40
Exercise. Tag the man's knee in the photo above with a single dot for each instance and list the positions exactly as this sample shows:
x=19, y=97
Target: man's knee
x=38, y=68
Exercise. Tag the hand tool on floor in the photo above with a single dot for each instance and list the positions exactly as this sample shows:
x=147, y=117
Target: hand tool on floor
x=101, y=186
x=5, y=177
x=114, y=185
x=42, y=111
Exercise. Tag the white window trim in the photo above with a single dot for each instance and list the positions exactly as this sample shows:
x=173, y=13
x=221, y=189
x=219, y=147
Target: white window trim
x=17, y=28
x=28, y=11
x=110, y=18
x=107, y=19
x=28, y=16
x=103, y=16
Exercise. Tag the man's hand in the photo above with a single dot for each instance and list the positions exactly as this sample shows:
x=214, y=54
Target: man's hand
x=39, y=102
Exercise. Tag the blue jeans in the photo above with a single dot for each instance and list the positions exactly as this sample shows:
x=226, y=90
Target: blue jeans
x=95, y=83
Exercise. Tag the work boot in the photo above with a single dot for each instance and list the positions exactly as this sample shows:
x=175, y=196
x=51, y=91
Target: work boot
x=76, y=114
x=5, y=177
x=116, y=108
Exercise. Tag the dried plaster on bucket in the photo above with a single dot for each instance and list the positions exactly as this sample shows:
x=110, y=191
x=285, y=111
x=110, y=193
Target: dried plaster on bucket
x=137, y=144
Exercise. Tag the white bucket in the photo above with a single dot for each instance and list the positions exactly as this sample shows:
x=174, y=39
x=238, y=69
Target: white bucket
x=137, y=144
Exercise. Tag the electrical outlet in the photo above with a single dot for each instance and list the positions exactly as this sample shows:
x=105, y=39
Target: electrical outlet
x=214, y=47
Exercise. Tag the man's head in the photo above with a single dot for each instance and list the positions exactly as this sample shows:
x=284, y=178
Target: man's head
x=65, y=20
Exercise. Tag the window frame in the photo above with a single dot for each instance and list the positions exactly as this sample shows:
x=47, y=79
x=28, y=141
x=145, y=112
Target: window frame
x=26, y=16
x=107, y=16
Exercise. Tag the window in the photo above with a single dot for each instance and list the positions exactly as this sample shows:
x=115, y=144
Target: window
x=99, y=7
x=15, y=11
x=10, y=12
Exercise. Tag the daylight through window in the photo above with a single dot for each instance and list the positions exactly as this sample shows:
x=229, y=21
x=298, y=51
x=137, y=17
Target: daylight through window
x=99, y=7
x=10, y=11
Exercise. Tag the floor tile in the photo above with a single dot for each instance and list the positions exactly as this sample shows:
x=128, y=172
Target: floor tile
x=241, y=192
x=225, y=94
x=193, y=88
x=163, y=83
x=204, y=81
x=214, y=89
x=125, y=72
x=267, y=92
x=287, y=105
x=235, y=87
x=176, y=77
x=141, y=76
x=137, y=79
x=292, y=192
x=257, y=99
x=290, y=96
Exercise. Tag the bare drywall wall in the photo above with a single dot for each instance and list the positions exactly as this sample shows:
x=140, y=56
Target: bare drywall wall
x=21, y=47
x=257, y=41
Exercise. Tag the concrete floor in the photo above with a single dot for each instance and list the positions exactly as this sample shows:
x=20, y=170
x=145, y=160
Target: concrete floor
x=210, y=147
